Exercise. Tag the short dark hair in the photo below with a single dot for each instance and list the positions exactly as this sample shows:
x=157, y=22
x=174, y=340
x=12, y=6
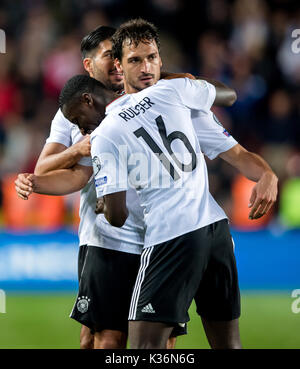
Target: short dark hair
x=91, y=41
x=78, y=85
x=136, y=31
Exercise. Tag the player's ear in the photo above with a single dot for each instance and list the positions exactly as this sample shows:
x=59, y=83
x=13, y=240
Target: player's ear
x=160, y=62
x=87, y=64
x=118, y=65
x=87, y=99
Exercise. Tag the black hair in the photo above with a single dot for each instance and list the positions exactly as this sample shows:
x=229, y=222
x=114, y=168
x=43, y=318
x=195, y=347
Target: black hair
x=78, y=85
x=91, y=41
x=135, y=31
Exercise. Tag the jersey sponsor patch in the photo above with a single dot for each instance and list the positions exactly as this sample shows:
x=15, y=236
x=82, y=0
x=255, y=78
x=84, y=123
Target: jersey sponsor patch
x=101, y=181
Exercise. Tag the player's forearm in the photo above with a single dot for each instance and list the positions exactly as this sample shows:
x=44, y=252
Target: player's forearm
x=63, y=160
x=251, y=165
x=225, y=96
x=115, y=209
x=254, y=167
x=60, y=182
x=114, y=219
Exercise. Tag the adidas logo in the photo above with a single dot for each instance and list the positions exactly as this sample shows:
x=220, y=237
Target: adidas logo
x=148, y=309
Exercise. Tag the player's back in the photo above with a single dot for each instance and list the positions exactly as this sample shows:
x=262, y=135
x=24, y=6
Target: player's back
x=157, y=147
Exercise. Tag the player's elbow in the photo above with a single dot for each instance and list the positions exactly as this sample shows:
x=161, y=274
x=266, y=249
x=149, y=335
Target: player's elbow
x=116, y=219
x=231, y=99
x=225, y=96
x=40, y=170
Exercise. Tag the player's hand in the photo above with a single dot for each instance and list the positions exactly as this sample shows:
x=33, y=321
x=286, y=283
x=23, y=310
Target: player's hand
x=24, y=185
x=100, y=206
x=263, y=195
x=84, y=146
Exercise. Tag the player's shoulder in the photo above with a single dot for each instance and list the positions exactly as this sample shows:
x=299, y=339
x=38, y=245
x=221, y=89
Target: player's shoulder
x=171, y=89
x=172, y=83
x=61, y=121
x=108, y=127
x=181, y=83
x=116, y=103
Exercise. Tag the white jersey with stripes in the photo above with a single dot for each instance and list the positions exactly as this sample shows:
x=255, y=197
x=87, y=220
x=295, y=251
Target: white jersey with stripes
x=148, y=142
x=95, y=230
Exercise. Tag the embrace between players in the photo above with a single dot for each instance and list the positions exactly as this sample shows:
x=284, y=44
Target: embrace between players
x=135, y=139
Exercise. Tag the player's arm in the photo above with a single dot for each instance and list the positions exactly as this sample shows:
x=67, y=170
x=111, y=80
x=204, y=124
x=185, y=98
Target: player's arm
x=58, y=183
x=255, y=168
x=110, y=173
x=57, y=156
x=169, y=75
x=115, y=209
x=225, y=96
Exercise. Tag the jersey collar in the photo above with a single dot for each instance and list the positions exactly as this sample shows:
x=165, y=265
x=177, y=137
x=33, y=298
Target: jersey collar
x=115, y=102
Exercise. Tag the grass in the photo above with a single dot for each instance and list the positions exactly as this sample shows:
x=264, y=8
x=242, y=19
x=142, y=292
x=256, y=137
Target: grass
x=42, y=321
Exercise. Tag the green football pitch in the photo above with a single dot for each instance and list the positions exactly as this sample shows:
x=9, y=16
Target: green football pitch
x=42, y=321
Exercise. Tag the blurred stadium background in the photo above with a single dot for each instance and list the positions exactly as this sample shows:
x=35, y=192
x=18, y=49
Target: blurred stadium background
x=246, y=44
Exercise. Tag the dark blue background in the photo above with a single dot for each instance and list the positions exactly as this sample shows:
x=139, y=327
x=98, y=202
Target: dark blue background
x=265, y=261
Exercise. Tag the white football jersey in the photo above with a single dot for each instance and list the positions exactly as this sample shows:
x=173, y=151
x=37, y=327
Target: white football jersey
x=212, y=136
x=148, y=142
x=94, y=229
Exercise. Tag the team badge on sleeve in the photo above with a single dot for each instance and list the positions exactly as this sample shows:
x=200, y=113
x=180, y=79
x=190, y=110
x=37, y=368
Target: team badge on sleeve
x=225, y=132
x=96, y=165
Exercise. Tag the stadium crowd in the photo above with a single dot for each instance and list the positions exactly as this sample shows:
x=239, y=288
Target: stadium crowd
x=245, y=44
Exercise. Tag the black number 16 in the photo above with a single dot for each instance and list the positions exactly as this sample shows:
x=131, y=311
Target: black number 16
x=167, y=140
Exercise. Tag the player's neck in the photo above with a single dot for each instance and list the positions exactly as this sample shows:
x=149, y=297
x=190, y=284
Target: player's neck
x=129, y=89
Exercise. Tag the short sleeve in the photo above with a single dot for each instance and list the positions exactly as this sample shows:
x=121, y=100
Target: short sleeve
x=86, y=161
x=60, y=131
x=109, y=165
x=194, y=94
x=212, y=136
